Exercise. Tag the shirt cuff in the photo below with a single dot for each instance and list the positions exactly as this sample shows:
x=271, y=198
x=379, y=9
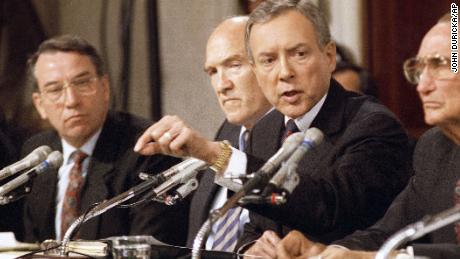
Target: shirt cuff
x=237, y=165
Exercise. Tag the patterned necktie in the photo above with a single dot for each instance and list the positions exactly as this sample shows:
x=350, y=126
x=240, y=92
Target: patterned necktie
x=291, y=128
x=227, y=226
x=71, y=206
x=457, y=203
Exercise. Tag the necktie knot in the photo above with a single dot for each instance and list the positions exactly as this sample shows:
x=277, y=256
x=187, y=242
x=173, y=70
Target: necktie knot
x=78, y=157
x=291, y=128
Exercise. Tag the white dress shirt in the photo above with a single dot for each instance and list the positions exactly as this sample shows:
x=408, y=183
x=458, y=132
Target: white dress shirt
x=220, y=199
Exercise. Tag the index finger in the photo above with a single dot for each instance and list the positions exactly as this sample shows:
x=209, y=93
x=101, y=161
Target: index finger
x=145, y=144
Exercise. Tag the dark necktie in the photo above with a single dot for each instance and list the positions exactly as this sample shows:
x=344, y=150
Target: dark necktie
x=227, y=226
x=457, y=203
x=71, y=206
x=291, y=128
x=243, y=145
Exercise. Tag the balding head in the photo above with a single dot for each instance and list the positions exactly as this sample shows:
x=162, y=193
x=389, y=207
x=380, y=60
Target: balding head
x=231, y=75
x=438, y=87
x=228, y=34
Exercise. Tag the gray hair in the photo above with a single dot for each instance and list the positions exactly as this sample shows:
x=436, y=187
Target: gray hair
x=272, y=8
x=67, y=43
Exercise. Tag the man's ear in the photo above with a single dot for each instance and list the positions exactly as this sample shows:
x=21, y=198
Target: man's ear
x=330, y=51
x=106, y=87
x=38, y=103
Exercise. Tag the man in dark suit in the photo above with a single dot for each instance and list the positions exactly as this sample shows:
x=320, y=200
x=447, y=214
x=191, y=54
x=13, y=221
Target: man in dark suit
x=73, y=94
x=436, y=164
x=348, y=181
x=243, y=103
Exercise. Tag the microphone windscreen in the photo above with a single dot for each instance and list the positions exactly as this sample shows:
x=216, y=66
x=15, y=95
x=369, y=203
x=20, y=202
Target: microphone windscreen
x=55, y=159
x=294, y=140
x=314, y=135
x=41, y=152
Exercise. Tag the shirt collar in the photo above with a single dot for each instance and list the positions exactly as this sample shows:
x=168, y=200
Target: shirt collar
x=88, y=147
x=304, y=122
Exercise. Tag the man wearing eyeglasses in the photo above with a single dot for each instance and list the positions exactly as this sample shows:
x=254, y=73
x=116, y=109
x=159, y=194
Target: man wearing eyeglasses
x=435, y=186
x=73, y=94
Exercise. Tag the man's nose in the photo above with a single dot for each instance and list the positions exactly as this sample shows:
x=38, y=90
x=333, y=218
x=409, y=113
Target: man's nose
x=285, y=72
x=71, y=95
x=223, y=82
x=426, y=82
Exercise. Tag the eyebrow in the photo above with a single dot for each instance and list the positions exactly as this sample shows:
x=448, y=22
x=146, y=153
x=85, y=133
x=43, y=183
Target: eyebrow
x=269, y=53
x=299, y=45
x=225, y=61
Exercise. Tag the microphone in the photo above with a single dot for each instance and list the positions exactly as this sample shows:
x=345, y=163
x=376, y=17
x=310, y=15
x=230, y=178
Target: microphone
x=289, y=145
x=264, y=173
x=54, y=160
x=180, y=173
x=262, y=176
x=34, y=158
x=418, y=229
x=286, y=175
x=182, y=192
x=182, y=176
x=165, y=175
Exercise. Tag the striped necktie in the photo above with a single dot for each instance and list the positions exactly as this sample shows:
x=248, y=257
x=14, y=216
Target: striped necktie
x=227, y=226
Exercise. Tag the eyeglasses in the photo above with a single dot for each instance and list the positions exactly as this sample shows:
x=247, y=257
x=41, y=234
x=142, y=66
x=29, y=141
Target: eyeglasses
x=438, y=68
x=83, y=86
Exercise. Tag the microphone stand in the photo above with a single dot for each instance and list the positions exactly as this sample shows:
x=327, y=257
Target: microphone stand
x=121, y=198
x=418, y=229
x=205, y=229
x=14, y=195
x=100, y=209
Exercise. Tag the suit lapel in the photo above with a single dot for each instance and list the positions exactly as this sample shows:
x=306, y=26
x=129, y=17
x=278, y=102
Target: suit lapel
x=229, y=132
x=96, y=188
x=47, y=185
x=265, y=137
x=330, y=121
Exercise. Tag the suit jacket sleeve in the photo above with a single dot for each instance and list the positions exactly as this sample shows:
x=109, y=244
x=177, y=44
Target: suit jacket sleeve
x=429, y=192
x=403, y=211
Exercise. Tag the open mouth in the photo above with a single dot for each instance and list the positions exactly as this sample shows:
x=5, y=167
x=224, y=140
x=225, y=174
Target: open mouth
x=291, y=96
